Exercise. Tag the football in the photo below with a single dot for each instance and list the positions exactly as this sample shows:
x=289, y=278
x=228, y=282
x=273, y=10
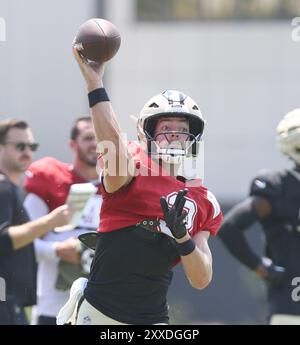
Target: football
x=97, y=40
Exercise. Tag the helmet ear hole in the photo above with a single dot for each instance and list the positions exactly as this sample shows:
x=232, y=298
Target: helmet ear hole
x=149, y=127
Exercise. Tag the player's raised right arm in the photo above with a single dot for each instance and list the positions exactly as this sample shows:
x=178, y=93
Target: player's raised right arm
x=112, y=146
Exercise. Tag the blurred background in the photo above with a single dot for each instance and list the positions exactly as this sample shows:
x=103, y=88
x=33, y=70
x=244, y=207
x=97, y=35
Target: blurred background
x=239, y=59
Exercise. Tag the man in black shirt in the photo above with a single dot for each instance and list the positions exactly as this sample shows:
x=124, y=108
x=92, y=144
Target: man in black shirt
x=17, y=260
x=274, y=201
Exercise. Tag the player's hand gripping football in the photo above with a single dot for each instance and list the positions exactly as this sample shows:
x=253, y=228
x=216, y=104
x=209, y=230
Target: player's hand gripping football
x=92, y=71
x=174, y=216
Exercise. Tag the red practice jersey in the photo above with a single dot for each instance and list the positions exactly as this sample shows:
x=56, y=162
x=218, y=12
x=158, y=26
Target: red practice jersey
x=51, y=180
x=140, y=200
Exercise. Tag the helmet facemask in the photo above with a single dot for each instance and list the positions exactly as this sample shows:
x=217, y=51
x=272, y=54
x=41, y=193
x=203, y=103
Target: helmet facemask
x=173, y=151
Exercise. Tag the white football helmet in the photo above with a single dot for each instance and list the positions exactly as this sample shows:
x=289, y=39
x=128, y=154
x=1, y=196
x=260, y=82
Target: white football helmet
x=288, y=135
x=170, y=103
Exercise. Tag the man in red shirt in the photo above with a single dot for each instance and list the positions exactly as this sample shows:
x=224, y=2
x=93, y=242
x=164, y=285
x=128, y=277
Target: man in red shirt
x=48, y=183
x=150, y=217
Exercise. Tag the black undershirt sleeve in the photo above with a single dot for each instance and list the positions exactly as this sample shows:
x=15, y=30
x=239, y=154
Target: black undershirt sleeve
x=236, y=221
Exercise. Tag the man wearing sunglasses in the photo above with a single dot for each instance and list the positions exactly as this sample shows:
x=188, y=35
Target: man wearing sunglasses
x=17, y=260
x=21, y=146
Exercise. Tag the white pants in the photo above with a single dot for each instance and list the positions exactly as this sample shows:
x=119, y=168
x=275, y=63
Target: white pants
x=88, y=315
x=285, y=319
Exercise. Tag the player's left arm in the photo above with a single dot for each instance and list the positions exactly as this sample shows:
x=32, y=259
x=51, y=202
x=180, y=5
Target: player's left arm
x=198, y=264
x=195, y=253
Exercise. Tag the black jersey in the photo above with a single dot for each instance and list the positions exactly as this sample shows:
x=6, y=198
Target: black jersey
x=17, y=267
x=282, y=231
x=129, y=282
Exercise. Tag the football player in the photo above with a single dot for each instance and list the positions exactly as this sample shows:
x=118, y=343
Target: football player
x=274, y=201
x=150, y=218
x=59, y=254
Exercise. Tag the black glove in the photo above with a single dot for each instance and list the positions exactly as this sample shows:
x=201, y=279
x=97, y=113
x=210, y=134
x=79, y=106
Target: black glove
x=274, y=273
x=174, y=216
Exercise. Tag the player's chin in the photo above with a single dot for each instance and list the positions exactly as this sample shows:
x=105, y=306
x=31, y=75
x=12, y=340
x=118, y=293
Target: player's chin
x=93, y=156
x=92, y=162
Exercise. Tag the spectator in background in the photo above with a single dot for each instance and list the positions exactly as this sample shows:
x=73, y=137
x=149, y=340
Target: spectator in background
x=48, y=182
x=274, y=201
x=17, y=260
